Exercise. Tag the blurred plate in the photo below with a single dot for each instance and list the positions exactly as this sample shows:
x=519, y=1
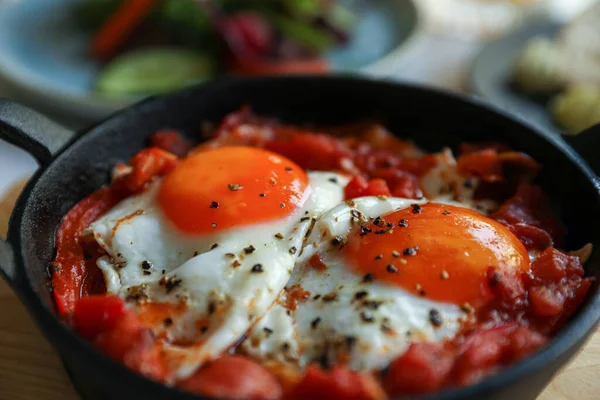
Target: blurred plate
x=490, y=75
x=43, y=53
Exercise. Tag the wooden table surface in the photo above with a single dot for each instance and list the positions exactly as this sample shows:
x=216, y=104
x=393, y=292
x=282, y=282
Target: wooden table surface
x=30, y=369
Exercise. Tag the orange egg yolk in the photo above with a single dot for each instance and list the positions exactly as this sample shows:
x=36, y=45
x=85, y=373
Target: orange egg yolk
x=229, y=187
x=437, y=251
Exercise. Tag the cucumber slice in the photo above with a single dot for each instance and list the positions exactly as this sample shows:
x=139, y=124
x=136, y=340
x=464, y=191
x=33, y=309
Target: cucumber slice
x=303, y=33
x=154, y=70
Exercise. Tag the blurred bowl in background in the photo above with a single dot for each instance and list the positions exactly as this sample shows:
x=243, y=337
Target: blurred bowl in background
x=491, y=75
x=44, y=58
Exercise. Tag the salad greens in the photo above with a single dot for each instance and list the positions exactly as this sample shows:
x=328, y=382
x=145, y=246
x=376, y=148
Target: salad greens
x=248, y=36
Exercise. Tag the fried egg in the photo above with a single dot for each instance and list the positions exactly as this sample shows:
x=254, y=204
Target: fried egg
x=204, y=253
x=377, y=274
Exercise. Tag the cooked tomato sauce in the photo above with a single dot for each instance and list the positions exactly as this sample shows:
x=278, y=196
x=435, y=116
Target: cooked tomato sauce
x=525, y=312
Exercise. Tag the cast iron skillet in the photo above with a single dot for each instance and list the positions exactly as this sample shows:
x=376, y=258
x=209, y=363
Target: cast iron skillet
x=74, y=165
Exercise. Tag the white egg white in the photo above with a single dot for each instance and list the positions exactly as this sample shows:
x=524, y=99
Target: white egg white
x=444, y=184
x=218, y=284
x=370, y=322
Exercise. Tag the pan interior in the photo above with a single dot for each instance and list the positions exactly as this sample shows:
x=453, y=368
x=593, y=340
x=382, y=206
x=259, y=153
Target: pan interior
x=431, y=119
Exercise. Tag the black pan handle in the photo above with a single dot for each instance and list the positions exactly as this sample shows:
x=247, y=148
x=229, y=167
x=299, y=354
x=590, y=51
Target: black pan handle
x=587, y=144
x=31, y=131
x=40, y=137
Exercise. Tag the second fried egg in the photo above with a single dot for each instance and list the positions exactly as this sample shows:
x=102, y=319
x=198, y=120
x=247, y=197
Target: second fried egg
x=379, y=273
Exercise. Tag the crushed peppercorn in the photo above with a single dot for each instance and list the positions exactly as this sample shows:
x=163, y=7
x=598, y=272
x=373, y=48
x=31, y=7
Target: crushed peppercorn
x=416, y=209
x=435, y=318
x=368, y=278
x=364, y=230
x=249, y=250
x=403, y=223
x=315, y=322
x=360, y=295
x=391, y=269
x=336, y=241
x=170, y=283
x=411, y=251
x=330, y=297
x=372, y=304
x=137, y=293
x=293, y=250
x=366, y=317
x=385, y=326
x=257, y=268
x=214, y=204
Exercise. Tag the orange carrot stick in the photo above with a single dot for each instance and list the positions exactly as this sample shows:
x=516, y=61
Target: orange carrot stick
x=119, y=26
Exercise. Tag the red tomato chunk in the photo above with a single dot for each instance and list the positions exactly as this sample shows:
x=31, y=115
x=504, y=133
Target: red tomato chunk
x=339, y=383
x=118, y=333
x=172, y=142
x=234, y=378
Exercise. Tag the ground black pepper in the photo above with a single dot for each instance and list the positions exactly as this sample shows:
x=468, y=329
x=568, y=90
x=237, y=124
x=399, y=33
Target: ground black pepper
x=368, y=278
x=257, y=268
x=411, y=251
x=315, y=322
x=435, y=318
